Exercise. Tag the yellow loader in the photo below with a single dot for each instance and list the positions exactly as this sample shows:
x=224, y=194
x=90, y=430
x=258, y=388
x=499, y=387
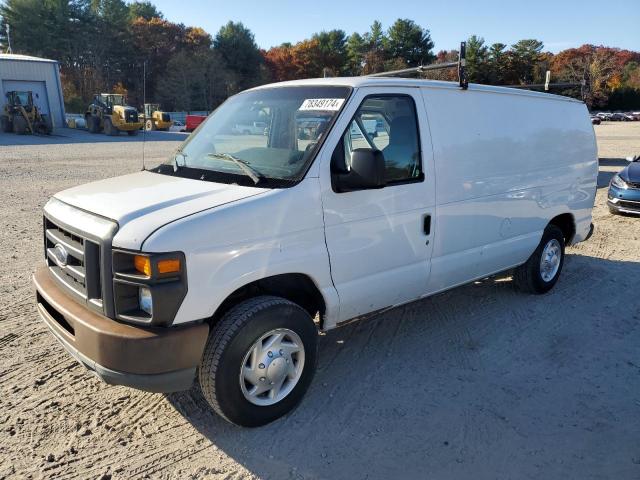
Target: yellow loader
x=156, y=119
x=20, y=115
x=110, y=113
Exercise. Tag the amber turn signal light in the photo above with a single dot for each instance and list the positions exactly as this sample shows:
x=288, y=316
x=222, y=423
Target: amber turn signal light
x=142, y=264
x=169, y=266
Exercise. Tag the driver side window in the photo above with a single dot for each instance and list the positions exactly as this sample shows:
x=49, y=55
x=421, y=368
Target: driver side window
x=387, y=123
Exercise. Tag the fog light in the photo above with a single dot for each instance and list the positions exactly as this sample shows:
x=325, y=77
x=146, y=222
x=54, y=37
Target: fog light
x=144, y=298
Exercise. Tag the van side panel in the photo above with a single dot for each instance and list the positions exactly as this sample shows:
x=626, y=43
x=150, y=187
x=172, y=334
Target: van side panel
x=506, y=164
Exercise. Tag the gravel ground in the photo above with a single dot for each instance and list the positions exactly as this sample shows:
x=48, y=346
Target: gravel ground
x=479, y=382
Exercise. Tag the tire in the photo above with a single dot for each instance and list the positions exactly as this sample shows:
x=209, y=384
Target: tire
x=5, y=124
x=45, y=126
x=149, y=126
x=109, y=129
x=228, y=349
x=530, y=277
x=19, y=125
x=93, y=124
x=132, y=133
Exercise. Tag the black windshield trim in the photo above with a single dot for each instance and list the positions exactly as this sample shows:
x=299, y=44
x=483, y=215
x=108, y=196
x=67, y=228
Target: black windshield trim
x=217, y=176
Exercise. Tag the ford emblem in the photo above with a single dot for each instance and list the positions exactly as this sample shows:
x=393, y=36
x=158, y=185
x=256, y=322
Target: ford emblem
x=61, y=255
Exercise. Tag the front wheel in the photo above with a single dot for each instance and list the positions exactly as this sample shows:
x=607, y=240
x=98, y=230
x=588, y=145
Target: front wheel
x=259, y=361
x=540, y=273
x=109, y=128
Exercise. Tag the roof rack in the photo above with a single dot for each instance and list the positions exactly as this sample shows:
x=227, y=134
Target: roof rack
x=462, y=76
x=547, y=85
x=460, y=65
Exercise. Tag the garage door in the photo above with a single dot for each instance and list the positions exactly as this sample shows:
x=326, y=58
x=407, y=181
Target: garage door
x=38, y=88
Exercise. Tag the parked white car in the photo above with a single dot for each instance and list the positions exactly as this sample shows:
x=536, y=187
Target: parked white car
x=251, y=128
x=223, y=263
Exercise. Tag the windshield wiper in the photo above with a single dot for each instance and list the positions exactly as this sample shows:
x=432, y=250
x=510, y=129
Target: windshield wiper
x=243, y=164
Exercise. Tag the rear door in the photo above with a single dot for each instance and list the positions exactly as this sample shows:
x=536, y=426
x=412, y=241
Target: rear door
x=380, y=240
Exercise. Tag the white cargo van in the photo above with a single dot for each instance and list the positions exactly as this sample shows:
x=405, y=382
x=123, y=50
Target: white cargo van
x=361, y=194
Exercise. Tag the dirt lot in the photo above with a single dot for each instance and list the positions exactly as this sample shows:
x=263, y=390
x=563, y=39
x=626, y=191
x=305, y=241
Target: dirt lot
x=479, y=382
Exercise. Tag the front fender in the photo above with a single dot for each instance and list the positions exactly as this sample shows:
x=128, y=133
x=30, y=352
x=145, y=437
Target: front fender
x=279, y=232
x=219, y=272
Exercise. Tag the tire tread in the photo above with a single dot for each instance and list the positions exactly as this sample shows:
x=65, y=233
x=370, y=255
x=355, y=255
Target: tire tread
x=524, y=276
x=221, y=334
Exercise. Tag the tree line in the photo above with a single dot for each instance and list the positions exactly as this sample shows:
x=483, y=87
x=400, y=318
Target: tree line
x=106, y=45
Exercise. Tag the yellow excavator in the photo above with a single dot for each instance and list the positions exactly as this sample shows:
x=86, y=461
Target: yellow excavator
x=156, y=119
x=110, y=113
x=20, y=115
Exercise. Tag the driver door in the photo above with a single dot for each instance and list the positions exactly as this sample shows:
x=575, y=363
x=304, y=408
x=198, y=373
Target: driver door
x=380, y=240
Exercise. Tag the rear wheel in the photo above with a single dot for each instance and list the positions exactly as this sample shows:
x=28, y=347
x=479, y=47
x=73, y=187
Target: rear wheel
x=45, y=126
x=5, y=124
x=93, y=124
x=259, y=361
x=540, y=273
x=149, y=126
x=19, y=125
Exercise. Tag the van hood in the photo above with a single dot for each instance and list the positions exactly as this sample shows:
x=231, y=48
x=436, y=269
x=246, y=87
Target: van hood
x=129, y=197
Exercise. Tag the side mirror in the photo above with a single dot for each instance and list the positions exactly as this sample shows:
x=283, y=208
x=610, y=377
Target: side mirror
x=367, y=171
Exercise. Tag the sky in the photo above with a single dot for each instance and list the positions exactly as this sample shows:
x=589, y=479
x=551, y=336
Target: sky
x=559, y=24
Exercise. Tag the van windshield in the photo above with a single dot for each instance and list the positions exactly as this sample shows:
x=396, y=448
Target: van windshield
x=267, y=136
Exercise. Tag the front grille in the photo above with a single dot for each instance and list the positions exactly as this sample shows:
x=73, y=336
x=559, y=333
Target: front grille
x=634, y=185
x=79, y=269
x=630, y=205
x=131, y=116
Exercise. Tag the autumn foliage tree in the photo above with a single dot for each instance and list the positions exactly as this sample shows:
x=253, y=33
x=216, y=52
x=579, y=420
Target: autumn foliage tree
x=602, y=69
x=280, y=63
x=102, y=45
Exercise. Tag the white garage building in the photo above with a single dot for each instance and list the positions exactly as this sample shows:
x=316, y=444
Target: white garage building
x=39, y=75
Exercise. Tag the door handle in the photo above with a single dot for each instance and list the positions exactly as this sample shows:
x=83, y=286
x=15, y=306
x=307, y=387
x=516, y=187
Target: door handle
x=426, y=224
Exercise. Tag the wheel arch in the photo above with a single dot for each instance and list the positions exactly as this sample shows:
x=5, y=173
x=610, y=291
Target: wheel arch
x=567, y=223
x=298, y=288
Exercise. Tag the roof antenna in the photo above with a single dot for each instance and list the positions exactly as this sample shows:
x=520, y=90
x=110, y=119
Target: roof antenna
x=462, y=61
x=8, y=27
x=144, y=102
x=547, y=80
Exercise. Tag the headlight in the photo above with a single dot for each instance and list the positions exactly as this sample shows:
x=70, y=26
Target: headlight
x=618, y=182
x=145, y=300
x=148, y=288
